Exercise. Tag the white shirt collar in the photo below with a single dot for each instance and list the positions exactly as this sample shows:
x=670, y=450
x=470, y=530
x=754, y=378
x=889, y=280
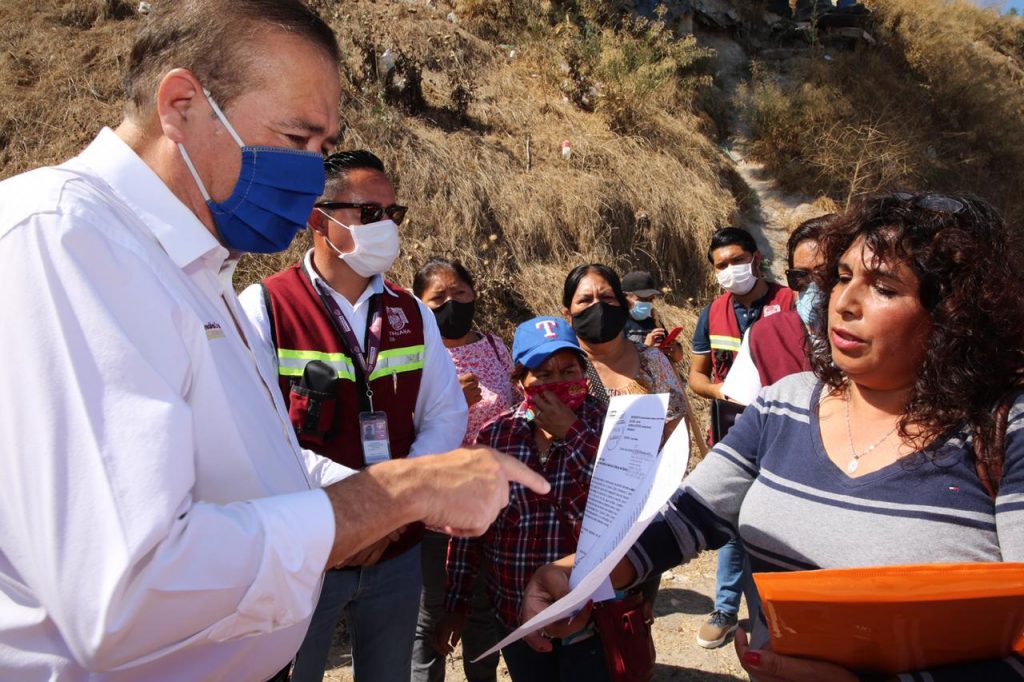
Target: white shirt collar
x=374, y=286
x=179, y=231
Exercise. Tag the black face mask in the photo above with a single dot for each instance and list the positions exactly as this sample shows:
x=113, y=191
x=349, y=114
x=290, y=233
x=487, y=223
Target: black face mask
x=600, y=322
x=454, y=318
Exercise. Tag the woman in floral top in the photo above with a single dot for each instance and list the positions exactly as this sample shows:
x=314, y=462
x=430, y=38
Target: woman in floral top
x=481, y=360
x=484, y=366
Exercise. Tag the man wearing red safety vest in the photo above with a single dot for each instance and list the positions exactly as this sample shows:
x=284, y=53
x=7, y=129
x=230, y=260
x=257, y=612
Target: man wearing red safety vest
x=716, y=340
x=366, y=379
x=781, y=345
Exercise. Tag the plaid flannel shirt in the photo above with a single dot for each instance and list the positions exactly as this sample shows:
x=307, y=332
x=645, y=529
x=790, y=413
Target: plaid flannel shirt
x=531, y=531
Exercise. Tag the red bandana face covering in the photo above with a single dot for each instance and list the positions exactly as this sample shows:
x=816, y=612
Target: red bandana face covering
x=571, y=393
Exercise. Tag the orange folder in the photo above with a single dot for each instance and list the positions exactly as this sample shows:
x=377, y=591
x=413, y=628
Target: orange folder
x=893, y=619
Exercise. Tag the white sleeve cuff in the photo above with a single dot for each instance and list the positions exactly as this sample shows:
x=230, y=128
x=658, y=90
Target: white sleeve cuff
x=323, y=471
x=298, y=537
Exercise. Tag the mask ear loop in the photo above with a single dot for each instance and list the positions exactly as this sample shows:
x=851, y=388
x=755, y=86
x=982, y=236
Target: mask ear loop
x=194, y=172
x=223, y=118
x=341, y=254
x=188, y=160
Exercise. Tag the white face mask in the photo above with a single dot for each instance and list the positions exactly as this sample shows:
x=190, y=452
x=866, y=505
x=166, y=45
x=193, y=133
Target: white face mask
x=376, y=246
x=737, y=279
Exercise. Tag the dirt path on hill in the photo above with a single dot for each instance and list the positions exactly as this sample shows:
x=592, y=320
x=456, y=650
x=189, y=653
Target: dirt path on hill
x=768, y=212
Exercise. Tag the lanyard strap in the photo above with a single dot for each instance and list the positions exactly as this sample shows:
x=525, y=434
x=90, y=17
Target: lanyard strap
x=367, y=361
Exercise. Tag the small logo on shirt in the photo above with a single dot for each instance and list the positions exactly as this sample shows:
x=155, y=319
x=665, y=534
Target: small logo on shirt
x=213, y=331
x=397, y=319
x=771, y=310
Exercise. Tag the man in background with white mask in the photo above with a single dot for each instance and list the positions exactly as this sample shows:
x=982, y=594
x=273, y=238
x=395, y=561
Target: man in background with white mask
x=716, y=340
x=366, y=377
x=747, y=298
x=779, y=345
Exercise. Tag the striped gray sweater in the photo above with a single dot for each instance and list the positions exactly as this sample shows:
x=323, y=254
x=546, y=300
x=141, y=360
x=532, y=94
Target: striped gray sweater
x=794, y=509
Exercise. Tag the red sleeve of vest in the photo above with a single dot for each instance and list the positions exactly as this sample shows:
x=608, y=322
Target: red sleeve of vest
x=784, y=297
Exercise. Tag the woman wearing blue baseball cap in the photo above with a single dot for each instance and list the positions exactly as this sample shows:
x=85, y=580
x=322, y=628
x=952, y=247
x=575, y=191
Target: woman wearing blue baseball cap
x=555, y=431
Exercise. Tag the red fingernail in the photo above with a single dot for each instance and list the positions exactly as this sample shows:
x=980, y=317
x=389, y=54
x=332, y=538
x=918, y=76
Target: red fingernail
x=752, y=657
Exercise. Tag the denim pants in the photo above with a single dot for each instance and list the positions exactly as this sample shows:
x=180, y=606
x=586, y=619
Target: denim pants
x=479, y=634
x=380, y=605
x=734, y=579
x=581, y=661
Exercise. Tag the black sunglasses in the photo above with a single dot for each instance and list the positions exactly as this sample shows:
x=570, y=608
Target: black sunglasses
x=937, y=203
x=797, y=279
x=368, y=213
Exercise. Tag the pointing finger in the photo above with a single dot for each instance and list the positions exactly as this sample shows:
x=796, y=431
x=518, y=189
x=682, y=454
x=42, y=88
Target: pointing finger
x=520, y=473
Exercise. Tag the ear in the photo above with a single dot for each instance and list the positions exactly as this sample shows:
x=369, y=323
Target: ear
x=567, y=316
x=317, y=223
x=179, y=100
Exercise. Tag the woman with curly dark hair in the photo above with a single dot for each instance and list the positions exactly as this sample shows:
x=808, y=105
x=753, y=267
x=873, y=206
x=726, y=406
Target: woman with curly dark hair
x=888, y=453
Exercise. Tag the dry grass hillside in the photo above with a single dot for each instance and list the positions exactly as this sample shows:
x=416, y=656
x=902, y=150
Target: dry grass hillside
x=469, y=110
x=471, y=121
x=469, y=101
x=937, y=103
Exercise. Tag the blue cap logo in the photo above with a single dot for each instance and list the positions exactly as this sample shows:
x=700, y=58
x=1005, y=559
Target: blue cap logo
x=537, y=339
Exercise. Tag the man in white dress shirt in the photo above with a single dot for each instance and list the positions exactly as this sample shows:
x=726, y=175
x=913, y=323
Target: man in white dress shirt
x=158, y=520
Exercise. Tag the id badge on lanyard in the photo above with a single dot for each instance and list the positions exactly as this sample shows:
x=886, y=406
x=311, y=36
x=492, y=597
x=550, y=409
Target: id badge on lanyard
x=373, y=424
x=373, y=432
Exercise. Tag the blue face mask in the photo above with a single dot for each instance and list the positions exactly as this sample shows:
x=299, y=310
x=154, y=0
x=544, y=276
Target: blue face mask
x=272, y=198
x=807, y=304
x=641, y=310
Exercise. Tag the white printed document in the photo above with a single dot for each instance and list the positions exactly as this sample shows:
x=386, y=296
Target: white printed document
x=631, y=483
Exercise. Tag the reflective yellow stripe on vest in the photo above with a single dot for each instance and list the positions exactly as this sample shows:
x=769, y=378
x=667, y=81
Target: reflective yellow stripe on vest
x=730, y=343
x=291, y=363
x=398, y=360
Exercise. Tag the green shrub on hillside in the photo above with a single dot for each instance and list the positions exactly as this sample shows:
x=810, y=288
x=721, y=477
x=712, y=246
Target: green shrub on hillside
x=630, y=70
x=938, y=103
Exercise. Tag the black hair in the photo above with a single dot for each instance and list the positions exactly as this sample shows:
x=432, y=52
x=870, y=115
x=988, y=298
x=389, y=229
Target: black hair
x=338, y=165
x=808, y=230
x=431, y=268
x=966, y=259
x=730, y=236
x=572, y=282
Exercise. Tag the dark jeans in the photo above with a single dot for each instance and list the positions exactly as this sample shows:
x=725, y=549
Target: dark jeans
x=380, y=604
x=577, y=662
x=804, y=8
x=649, y=588
x=479, y=634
